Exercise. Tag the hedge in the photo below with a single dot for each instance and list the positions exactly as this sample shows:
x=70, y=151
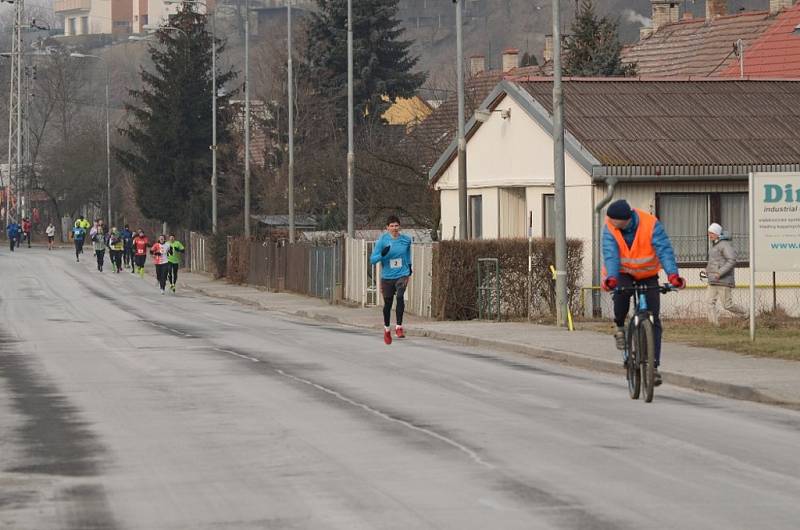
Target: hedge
x=455, y=278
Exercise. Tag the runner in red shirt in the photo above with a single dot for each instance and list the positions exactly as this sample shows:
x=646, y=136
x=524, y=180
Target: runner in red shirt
x=140, y=246
x=159, y=251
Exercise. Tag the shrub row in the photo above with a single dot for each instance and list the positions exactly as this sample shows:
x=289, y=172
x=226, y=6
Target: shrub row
x=455, y=277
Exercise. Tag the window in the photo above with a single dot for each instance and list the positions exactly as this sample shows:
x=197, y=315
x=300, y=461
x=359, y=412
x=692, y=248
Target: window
x=686, y=218
x=549, y=215
x=84, y=25
x=72, y=26
x=475, y=216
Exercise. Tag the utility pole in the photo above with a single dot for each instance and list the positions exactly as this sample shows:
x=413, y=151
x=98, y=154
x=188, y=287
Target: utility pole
x=350, y=155
x=247, y=119
x=290, y=90
x=463, y=233
x=15, y=109
x=213, y=121
x=558, y=177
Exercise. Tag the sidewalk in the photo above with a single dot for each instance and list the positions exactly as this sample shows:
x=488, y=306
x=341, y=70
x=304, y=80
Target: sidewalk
x=728, y=374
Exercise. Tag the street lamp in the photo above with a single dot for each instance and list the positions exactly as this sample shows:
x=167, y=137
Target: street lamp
x=108, y=128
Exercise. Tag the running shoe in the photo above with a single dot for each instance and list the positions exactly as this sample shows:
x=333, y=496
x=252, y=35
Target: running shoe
x=657, y=378
x=162, y=291
x=619, y=338
x=399, y=332
x=387, y=336
x=172, y=287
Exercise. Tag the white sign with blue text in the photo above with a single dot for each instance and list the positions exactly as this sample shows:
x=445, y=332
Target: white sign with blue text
x=775, y=199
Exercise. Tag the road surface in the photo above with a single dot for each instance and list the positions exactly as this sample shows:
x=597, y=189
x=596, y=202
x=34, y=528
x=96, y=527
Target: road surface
x=122, y=408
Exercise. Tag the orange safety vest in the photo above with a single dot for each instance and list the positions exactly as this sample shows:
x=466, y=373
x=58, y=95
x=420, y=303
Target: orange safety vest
x=640, y=260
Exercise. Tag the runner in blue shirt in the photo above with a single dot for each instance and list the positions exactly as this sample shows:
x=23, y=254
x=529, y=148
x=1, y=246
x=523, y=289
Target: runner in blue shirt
x=393, y=251
x=78, y=236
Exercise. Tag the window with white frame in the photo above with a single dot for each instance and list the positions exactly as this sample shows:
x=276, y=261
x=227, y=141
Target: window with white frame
x=475, y=216
x=548, y=215
x=686, y=217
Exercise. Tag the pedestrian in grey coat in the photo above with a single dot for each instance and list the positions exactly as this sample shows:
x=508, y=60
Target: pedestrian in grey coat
x=720, y=272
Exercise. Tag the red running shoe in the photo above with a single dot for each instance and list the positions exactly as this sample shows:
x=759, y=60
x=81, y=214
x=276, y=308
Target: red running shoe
x=387, y=336
x=399, y=332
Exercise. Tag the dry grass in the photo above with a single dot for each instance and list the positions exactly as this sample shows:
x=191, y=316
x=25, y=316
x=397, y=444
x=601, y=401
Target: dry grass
x=777, y=336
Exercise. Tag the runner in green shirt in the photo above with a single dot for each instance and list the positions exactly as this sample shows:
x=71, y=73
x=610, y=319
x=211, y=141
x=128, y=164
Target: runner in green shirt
x=176, y=248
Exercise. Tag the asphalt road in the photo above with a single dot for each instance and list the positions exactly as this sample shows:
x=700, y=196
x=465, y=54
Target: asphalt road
x=122, y=408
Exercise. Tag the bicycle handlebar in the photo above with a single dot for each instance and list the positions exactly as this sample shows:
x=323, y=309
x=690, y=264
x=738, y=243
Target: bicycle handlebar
x=663, y=289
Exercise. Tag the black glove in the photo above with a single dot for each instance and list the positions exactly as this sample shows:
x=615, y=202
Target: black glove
x=385, y=250
x=410, y=272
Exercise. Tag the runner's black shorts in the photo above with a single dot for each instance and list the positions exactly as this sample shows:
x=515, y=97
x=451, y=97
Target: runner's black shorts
x=397, y=286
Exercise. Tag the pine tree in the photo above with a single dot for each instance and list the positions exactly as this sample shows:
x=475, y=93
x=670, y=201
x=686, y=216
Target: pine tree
x=593, y=48
x=529, y=59
x=382, y=62
x=170, y=134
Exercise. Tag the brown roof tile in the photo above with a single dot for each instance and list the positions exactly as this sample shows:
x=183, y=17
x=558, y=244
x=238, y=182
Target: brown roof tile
x=679, y=121
x=697, y=47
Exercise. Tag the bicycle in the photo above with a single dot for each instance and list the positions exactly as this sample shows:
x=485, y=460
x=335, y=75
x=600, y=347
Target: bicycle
x=639, y=355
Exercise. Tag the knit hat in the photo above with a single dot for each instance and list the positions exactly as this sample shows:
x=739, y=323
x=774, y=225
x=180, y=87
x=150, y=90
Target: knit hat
x=715, y=228
x=619, y=210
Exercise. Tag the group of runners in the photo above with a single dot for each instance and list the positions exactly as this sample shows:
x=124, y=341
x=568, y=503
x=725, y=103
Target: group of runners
x=21, y=232
x=128, y=249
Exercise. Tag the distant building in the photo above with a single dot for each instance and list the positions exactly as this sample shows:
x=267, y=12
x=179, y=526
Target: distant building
x=96, y=17
x=681, y=45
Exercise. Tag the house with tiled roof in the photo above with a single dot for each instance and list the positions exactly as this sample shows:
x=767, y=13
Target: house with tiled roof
x=718, y=45
x=679, y=148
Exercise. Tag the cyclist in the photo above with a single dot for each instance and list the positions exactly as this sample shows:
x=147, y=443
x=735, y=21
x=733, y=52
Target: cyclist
x=393, y=250
x=78, y=237
x=140, y=246
x=635, y=248
x=176, y=248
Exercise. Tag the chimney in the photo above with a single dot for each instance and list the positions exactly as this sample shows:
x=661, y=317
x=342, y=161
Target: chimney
x=477, y=64
x=510, y=59
x=717, y=8
x=665, y=12
x=547, y=55
x=777, y=5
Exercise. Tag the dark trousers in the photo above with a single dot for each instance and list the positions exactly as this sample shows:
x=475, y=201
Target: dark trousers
x=101, y=255
x=390, y=289
x=622, y=304
x=127, y=257
x=27, y=236
x=172, y=273
x=161, y=274
x=78, y=248
x=12, y=242
x=116, y=259
x=139, y=260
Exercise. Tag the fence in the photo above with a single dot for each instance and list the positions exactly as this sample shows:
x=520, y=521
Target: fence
x=782, y=295
x=361, y=277
x=314, y=270
x=199, y=254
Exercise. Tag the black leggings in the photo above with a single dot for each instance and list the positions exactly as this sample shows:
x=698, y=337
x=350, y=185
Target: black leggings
x=622, y=303
x=390, y=288
x=161, y=274
x=172, y=273
x=100, y=258
x=127, y=257
x=139, y=260
x=116, y=258
x=78, y=248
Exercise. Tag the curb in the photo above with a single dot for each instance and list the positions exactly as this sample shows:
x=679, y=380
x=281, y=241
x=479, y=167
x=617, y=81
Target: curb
x=567, y=358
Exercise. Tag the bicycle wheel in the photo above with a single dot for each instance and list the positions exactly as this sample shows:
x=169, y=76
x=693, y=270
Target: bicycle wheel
x=647, y=350
x=632, y=367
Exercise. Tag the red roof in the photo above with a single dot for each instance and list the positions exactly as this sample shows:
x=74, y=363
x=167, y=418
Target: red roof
x=697, y=47
x=776, y=53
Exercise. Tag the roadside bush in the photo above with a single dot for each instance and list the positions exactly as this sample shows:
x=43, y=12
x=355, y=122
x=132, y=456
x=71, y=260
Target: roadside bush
x=455, y=278
x=238, y=259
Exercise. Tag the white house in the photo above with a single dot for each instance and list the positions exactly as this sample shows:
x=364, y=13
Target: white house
x=679, y=148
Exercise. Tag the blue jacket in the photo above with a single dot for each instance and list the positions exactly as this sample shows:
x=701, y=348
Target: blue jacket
x=78, y=233
x=13, y=230
x=661, y=244
x=127, y=238
x=397, y=263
